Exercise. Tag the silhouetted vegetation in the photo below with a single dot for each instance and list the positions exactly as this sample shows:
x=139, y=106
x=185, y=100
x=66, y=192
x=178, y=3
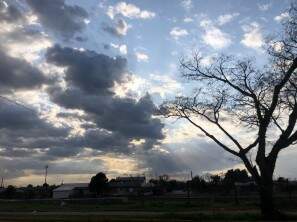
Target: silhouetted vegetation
x=98, y=183
x=28, y=192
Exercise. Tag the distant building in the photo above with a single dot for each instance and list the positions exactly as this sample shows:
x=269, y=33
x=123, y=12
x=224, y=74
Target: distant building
x=71, y=190
x=127, y=185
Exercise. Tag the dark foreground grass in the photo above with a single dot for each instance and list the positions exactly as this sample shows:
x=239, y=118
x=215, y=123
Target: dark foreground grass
x=156, y=205
x=146, y=210
x=145, y=218
x=132, y=205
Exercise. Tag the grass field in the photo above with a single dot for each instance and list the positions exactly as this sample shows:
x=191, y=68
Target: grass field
x=143, y=218
x=150, y=209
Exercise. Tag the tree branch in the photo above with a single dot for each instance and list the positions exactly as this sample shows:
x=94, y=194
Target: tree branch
x=211, y=136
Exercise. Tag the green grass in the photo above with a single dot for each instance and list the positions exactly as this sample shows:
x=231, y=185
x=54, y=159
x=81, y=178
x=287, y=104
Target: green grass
x=158, y=205
x=164, y=209
x=131, y=206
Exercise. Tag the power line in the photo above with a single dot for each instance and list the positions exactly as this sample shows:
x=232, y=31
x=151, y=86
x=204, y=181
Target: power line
x=17, y=103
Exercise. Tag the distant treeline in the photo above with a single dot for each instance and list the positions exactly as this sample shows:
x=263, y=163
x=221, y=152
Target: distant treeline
x=209, y=183
x=28, y=192
x=205, y=183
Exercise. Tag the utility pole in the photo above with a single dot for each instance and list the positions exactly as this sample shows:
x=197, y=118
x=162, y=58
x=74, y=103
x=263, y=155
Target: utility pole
x=189, y=184
x=45, y=176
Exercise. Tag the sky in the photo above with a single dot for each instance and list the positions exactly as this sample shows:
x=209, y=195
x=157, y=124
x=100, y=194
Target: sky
x=80, y=83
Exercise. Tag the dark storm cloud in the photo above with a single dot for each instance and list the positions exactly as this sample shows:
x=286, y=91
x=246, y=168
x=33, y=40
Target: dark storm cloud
x=17, y=152
x=56, y=15
x=74, y=98
x=21, y=127
x=132, y=118
x=10, y=168
x=129, y=117
x=87, y=70
x=90, y=78
x=78, y=167
x=80, y=39
x=93, y=138
x=63, y=151
x=9, y=12
x=22, y=131
x=17, y=74
x=105, y=141
x=18, y=117
x=106, y=46
x=17, y=167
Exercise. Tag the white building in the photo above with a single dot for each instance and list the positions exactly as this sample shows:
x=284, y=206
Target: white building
x=70, y=190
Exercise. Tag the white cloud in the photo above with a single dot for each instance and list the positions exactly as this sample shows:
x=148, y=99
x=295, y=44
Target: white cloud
x=87, y=21
x=141, y=57
x=29, y=47
x=188, y=19
x=122, y=48
x=214, y=36
x=181, y=134
x=224, y=19
x=208, y=60
x=281, y=17
x=252, y=37
x=28, y=51
x=129, y=10
x=177, y=32
x=135, y=85
x=205, y=23
x=187, y=4
x=264, y=7
x=130, y=87
x=163, y=85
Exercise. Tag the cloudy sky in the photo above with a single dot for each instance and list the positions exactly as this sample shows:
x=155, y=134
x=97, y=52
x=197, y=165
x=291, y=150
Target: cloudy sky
x=80, y=82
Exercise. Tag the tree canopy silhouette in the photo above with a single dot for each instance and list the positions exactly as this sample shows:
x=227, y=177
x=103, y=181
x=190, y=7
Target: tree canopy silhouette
x=262, y=100
x=98, y=183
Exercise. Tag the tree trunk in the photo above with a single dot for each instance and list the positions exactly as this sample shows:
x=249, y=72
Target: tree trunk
x=266, y=199
x=268, y=210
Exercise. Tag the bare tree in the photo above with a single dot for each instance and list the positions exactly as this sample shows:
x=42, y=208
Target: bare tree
x=262, y=100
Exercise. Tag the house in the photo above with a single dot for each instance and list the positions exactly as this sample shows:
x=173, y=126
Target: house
x=127, y=185
x=71, y=190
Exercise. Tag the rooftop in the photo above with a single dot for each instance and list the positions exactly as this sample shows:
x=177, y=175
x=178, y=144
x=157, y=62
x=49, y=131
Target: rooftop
x=71, y=186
